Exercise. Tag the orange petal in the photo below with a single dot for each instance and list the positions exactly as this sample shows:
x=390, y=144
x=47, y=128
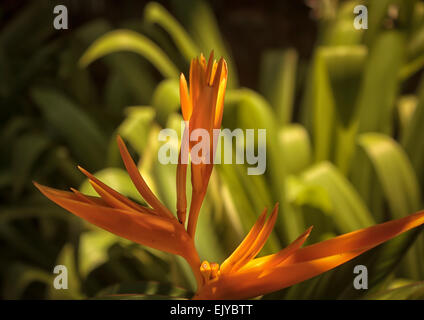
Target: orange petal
x=260, y=240
x=114, y=193
x=357, y=240
x=244, y=285
x=307, y=262
x=181, y=192
x=222, y=84
x=277, y=258
x=244, y=246
x=210, y=69
x=110, y=199
x=88, y=199
x=186, y=105
x=157, y=232
x=139, y=182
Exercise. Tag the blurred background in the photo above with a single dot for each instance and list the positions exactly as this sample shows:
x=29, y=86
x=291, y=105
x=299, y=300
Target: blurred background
x=343, y=109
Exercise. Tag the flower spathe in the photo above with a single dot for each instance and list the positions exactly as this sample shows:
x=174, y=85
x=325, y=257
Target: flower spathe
x=242, y=275
x=202, y=108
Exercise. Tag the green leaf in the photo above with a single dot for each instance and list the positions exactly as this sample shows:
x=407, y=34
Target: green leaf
x=156, y=13
x=93, y=249
x=320, y=103
x=67, y=258
x=413, y=136
x=20, y=276
x=73, y=125
x=166, y=99
x=127, y=40
x=136, y=127
x=339, y=30
x=27, y=149
x=414, y=291
x=278, y=81
x=394, y=171
x=381, y=84
x=295, y=147
x=399, y=183
x=349, y=212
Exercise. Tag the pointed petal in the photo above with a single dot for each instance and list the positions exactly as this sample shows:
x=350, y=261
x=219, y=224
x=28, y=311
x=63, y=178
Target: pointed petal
x=209, y=69
x=277, y=258
x=245, y=285
x=244, y=246
x=307, y=262
x=157, y=232
x=357, y=240
x=259, y=242
x=139, y=182
x=110, y=199
x=222, y=85
x=89, y=199
x=108, y=189
x=186, y=105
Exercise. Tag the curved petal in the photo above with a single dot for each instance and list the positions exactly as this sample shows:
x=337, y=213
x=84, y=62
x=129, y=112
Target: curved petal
x=305, y=263
x=357, y=240
x=186, y=105
x=157, y=232
x=139, y=182
x=277, y=258
x=259, y=241
x=244, y=246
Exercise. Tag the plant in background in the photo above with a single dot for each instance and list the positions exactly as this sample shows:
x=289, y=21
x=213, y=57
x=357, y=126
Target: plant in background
x=242, y=275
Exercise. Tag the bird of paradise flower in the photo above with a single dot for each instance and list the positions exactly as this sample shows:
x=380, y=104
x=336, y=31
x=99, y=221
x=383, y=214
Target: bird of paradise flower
x=242, y=275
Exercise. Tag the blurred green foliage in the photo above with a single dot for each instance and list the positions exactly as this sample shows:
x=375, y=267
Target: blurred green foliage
x=345, y=147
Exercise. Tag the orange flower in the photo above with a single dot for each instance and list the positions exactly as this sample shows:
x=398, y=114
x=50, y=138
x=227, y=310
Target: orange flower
x=202, y=108
x=153, y=226
x=243, y=276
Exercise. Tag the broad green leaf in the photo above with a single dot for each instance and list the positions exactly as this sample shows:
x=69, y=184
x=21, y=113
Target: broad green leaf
x=278, y=81
x=399, y=182
x=321, y=104
x=349, y=212
x=252, y=111
x=166, y=99
x=345, y=65
x=413, y=136
x=395, y=173
x=136, y=127
x=295, y=147
x=73, y=125
x=127, y=40
x=380, y=83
